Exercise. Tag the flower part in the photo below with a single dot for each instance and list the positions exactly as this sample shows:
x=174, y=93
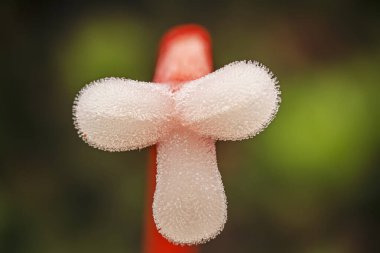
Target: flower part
x=115, y=114
x=233, y=103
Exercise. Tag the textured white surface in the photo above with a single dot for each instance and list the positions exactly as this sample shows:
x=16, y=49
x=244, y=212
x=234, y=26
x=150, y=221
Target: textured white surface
x=117, y=114
x=189, y=204
x=233, y=103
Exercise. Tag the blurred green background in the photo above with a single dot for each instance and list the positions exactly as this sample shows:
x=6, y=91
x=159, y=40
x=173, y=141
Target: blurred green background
x=308, y=184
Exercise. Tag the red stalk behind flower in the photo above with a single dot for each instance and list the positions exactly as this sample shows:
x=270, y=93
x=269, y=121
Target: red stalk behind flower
x=184, y=54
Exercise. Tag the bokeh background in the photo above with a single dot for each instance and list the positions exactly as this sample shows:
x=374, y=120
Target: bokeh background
x=308, y=184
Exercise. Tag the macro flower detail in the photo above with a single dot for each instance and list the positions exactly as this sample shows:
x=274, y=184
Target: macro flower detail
x=233, y=103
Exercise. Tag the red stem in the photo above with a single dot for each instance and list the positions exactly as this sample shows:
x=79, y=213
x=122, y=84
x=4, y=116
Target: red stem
x=184, y=54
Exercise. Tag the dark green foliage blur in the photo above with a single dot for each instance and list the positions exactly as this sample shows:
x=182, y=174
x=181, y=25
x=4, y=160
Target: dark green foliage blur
x=308, y=184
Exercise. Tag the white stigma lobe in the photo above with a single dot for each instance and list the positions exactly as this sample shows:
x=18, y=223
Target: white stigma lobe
x=189, y=205
x=116, y=114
